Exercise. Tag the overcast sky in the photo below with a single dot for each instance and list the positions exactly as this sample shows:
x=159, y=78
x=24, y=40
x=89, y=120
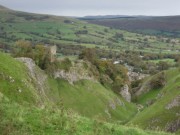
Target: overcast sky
x=96, y=7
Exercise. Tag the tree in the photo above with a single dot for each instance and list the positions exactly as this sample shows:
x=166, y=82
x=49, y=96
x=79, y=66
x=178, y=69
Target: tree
x=23, y=48
x=158, y=81
x=65, y=64
x=118, y=36
x=162, y=65
x=42, y=56
x=106, y=30
x=88, y=54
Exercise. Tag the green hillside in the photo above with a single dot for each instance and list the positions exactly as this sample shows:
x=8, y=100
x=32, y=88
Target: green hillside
x=161, y=105
x=15, y=82
x=87, y=98
x=20, y=120
x=68, y=33
x=50, y=94
x=25, y=109
x=91, y=99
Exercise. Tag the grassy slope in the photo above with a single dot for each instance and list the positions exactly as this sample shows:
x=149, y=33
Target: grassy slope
x=92, y=99
x=20, y=120
x=15, y=82
x=20, y=114
x=85, y=97
x=157, y=116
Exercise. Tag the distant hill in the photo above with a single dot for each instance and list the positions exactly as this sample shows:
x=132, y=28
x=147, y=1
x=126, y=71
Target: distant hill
x=160, y=25
x=72, y=35
x=3, y=8
x=104, y=17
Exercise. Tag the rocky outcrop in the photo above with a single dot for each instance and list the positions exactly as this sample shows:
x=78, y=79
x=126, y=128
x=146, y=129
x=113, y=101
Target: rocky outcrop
x=30, y=65
x=38, y=76
x=133, y=76
x=112, y=105
x=76, y=72
x=174, y=103
x=125, y=93
x=173, y=126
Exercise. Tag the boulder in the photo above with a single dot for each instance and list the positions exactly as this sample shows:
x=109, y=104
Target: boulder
x=125, y=93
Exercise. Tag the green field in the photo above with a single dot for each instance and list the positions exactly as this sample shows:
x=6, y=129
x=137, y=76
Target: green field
x=170, y=61
x=63, y=31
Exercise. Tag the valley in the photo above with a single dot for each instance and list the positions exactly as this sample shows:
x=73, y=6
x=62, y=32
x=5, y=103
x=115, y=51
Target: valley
x=61, y=75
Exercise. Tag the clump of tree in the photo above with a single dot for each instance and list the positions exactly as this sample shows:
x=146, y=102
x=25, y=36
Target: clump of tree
x=22, y=49
x=89, y=54
x=42, y=56
x=158, y=81
x=39, y=53
x=109, y=74
x=106, y=30
x=81, y=32
x=65, y=64
x=162, y=65
x=67, y=21
x=118, y=36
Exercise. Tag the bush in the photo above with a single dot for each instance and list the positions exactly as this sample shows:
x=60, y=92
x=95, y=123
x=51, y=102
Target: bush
x=162, y=65
x=82, y=32
x=136, y=83
x=40, y=54
x=158, y=81
x=65, y=64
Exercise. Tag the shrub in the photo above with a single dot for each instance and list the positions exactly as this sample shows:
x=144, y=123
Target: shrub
x=159, y=81
x=65, y=64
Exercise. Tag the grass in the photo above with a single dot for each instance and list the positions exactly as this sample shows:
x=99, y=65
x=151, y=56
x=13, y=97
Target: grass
x=15, y=81
x=91, y=99
x=20, y=120
x=54, y=30
x=147, y=97
x=64, y=110
x=170, y=61
x=87, y=98
x=157, y=116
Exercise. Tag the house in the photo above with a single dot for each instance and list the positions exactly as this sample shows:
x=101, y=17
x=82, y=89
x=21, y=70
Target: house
x=116, y=62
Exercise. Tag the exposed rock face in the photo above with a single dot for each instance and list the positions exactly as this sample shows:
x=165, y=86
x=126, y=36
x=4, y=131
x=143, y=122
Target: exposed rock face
x=37, y=75
x=133, y=76
x=125, y=93
x=174, y=103
x=113, y=104
x=174, y=126
x=30, y=65
x=76, y=72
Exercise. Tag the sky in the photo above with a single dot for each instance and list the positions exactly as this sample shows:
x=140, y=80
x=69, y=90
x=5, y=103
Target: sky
x=96, y=7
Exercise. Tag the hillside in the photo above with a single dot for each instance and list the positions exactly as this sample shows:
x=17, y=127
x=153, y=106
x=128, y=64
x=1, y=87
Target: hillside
x=85, y=97
x=68, y=33
x=161, y=105
x=165, y=25
x=31, y=105
x=101, y=81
